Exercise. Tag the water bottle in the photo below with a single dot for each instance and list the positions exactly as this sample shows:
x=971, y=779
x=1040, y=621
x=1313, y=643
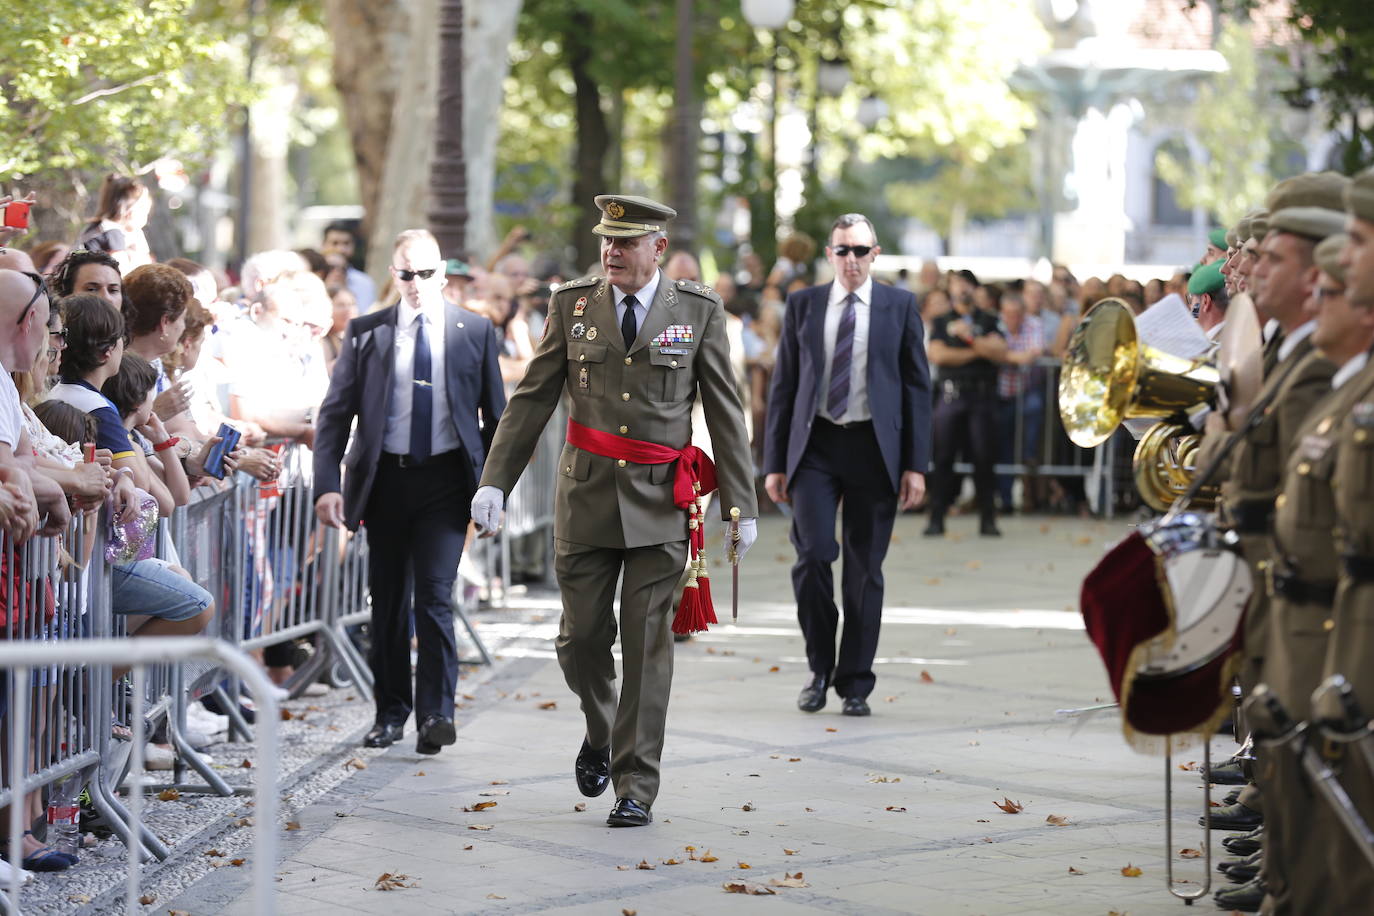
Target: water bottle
x=63, y=812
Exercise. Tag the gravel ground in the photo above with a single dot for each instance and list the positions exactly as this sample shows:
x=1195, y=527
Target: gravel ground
x=320, y=747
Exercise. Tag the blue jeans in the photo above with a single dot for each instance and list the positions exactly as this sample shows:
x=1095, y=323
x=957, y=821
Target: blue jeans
x=151, y=587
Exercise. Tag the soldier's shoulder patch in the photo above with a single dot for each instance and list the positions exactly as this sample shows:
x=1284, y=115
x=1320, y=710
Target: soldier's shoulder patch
x=698, y=289
x=579, y=283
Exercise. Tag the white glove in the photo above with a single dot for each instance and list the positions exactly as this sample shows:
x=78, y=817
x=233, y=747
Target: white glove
x=487, y=504
x=748, y=534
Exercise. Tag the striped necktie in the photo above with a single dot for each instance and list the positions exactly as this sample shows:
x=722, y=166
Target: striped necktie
x=837, y=400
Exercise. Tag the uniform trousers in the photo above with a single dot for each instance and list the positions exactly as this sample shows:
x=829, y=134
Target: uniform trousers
x=841, y=465
x=633, y=723
x=416, y=520
x=965, y=422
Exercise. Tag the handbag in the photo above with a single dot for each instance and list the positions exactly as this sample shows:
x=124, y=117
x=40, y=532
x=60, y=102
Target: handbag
x=135, y=539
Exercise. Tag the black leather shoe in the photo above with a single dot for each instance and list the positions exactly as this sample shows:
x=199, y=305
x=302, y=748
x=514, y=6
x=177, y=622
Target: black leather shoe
x=1234, y=817
x=435, y=732
x=1246, y=898
x=1226, y=774
x=629, y=813
x=1241, y=870
x=855, y=706
x=1231, y=797
x=988, y=528
x=935, y=528
x=383, y=735
x=1242, y=844
x=592, y=769
x=812, y=696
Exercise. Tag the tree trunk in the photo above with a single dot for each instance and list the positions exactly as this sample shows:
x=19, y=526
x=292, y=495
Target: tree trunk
x=448, y=180
x=271, y=116
x=684, y=135
x=593, y=140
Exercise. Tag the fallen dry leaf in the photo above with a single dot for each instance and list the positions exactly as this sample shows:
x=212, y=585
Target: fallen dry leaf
x=774, y=670
x=895, y=808
x=788, y=852
x=212, y=852
x=247, y=764
x=926, y=678
x=580, y=806
x=707, y=857
x=628, y=912
x=495, y=897
x=148, y=899
x=79, y=898
x=479, y=826
x=498, y=782
x=293, y=825
x=890, y=699
x=743, y=865
x=287, y=715
x=950, y=631
x=356, y=763
x=1190, y=854
x=550, y=704
x=793, y=759
x=645, y=866
x=623, y=867
x=983, y=820
x=932, y=580
x=480, y=806
x=169, y=795
x=746, y=887
x=244, y=822
x=671, y=861
x=874, y=777
x=974, y=564
x=1130, y=871
x=747, y=806
x=391, y=881
x=1057, y=820
x=1009, y=806
x=1074, y=871
x=1190, y=765
x=788, y=881
x=832, y=729
x=237, y=863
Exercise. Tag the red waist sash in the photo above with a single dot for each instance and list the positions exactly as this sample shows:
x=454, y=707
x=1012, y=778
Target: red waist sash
x=695, y=475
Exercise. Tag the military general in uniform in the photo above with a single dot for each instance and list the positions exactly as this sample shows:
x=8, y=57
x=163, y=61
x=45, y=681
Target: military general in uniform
x=633, y=351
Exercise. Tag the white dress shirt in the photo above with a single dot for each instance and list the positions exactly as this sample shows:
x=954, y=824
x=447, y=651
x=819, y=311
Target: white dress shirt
x=643, y=298
x=1291, y=341
x=443, y=435
x=857, y=409
x=1349, y=370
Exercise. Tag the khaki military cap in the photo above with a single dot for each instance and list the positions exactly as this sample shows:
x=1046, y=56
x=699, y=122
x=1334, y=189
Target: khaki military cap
x=626, y=216
x=1310, y=189
x=1327, y=254
x=1359, y=196
x=1259, y=224
x=1315, y=223
x=1232, y=239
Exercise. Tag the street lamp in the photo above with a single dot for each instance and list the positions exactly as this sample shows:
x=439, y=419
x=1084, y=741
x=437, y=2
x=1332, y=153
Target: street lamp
x=771, y=15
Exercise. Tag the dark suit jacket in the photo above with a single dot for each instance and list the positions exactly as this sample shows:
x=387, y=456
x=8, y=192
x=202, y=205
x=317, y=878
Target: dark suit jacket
x=898, y=381
x=361, y=387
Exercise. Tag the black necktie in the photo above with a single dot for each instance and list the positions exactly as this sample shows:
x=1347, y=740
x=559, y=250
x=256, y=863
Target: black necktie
x=628, y=328
x=421, y=396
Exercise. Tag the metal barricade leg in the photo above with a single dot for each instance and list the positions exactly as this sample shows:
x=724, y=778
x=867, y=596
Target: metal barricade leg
x=185, y=754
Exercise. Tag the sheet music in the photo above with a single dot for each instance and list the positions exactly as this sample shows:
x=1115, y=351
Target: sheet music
x=1169, y=325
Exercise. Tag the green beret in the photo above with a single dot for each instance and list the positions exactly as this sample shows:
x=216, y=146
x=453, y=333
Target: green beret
x=1314, y=223
x=1359, y=196
x=1327, y=254
x=1310, y=189
x=626, y=216
x=1206, y=279
x=457, y=267
x=1217, y=237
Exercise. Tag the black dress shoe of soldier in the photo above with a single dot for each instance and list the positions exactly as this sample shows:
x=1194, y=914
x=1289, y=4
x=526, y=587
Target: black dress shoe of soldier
x=1241, y=870
x=435, y=732
x=1246, y=897
x=1242, y=844
x=592, y=769
x=1226, y=774
x=1231, y=797
x=812, y=696
x=1234, y=817
x=935, y=527
x=988, y=527
x=629, y=813
x=383, y=734
x=855, y=706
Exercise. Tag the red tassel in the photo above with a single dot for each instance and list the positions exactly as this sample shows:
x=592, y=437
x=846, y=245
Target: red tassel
x=694, y=612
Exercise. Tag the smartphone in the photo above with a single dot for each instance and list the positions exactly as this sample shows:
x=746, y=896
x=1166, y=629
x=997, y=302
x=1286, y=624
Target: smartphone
x=228, y=441
x=16, y=214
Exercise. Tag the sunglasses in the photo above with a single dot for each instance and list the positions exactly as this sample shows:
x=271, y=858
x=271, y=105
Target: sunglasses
x=41, y=290
x=406, y=276
x=859, y=251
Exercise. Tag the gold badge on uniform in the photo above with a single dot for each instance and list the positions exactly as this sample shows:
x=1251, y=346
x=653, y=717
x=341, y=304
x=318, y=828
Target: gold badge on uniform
x=591, y=333
x=577, y=330
x=583, y=380
x=614, y=210
x=579, y=307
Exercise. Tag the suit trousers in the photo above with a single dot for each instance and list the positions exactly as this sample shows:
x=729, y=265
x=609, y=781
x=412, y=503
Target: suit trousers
x=416, y=520
x=632, y=724
x=841, y=465
x=965, y=422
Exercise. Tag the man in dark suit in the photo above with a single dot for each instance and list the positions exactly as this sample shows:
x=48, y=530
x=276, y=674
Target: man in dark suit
x=848, y=420
x=423, y=381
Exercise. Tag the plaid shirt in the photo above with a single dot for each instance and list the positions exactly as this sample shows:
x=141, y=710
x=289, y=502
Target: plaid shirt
x=1011, y=380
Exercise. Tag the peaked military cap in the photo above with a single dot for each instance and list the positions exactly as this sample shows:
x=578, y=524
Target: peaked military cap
x=1314, y=223
x=1310, y=189
x=1359, y=196
x=1327, y=254
x=626, y=216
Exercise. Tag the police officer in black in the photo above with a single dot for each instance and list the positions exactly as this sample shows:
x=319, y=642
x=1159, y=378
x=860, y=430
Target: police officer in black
x=965, y=350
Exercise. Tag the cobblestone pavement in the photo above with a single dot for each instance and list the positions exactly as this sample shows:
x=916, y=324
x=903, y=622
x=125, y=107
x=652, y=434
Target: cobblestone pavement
x=895, y=813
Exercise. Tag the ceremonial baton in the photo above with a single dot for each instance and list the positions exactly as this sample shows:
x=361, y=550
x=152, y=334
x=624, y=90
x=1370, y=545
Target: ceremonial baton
x=734, y=562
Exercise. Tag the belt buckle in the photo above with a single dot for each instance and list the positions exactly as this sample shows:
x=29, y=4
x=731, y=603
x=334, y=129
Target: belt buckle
x=403, y=461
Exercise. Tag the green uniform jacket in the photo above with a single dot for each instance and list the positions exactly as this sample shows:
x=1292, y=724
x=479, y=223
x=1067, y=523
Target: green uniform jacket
x=644, y=394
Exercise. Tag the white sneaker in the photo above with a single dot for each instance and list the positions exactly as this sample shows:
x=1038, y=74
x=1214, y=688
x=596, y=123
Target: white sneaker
x=315, y=689
x=203, y=720
x=7, y=874
x=156, y=757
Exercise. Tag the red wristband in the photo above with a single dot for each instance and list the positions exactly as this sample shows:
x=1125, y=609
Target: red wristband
x=169, y=442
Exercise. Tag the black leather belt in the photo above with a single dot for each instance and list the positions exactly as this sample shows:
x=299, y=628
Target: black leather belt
x=1359, y=568
x=1301, y=591
x=1251, y=516
x=393, y=460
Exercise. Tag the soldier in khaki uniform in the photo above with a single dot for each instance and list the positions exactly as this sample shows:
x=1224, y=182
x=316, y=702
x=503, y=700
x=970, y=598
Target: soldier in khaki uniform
x=1281, y=283
x=632, y=351
x=1302, y=586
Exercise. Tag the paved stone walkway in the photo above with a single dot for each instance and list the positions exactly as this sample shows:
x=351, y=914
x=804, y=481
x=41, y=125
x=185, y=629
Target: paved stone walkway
x=892, y=814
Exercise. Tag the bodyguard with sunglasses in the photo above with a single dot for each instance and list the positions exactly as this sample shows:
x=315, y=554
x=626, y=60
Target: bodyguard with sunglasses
x=423, y=382
x=848, y=422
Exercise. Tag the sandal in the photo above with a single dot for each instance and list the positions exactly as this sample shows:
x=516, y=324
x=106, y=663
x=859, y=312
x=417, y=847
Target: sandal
x=47, y=859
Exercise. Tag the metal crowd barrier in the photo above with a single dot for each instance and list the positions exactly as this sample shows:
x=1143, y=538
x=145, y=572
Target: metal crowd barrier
x=529, y=511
